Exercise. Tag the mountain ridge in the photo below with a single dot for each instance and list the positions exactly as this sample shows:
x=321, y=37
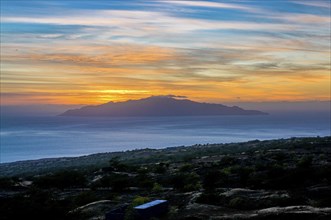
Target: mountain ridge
x=159, y=106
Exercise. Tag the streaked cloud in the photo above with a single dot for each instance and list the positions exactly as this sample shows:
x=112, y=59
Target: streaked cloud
x=204, y=50
x=139, y=23
x=316, y=3
x=208, y=4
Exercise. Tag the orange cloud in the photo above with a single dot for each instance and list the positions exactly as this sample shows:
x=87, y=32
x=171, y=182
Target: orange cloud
x=98, y=74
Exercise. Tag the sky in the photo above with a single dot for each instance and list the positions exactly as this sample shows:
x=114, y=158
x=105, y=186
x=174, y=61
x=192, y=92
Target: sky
x=92, y=52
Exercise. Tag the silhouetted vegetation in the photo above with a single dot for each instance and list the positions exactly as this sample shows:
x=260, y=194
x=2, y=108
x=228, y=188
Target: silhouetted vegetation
x=243, y=177
x=62, y=179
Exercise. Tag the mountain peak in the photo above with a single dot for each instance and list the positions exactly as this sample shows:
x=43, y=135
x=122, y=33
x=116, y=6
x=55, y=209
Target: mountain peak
x=165, y=105
x=166, y=97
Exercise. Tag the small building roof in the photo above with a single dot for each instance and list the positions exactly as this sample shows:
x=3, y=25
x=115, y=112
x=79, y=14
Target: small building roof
x=150, y=204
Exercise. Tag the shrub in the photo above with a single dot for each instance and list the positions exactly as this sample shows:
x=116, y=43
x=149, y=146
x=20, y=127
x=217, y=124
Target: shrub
x=214, y=179
x=156, y=187
x=186, y=182
x=6, y=183
x=62, y=179
x=210, y=198
x=186, y=168
x=305, y=162
x=238, y=203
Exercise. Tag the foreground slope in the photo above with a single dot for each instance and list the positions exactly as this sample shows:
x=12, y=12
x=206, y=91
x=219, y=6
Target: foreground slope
x=159, y=106
x=255, y=180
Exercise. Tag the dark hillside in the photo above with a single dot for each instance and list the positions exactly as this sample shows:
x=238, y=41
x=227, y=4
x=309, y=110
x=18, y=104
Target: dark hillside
x=274, y=179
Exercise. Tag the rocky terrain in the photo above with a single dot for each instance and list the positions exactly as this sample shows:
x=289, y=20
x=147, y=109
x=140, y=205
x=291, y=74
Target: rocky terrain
x=275, y=179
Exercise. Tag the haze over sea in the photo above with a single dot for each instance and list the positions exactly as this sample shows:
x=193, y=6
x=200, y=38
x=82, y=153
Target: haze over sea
x=34, y=137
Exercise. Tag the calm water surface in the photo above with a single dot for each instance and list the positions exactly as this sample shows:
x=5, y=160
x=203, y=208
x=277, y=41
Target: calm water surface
x=24, y=138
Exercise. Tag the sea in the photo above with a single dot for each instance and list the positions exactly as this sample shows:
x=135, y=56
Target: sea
x=35, y=137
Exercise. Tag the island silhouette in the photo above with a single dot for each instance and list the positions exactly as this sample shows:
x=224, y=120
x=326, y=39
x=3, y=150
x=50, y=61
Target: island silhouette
x=168, y=105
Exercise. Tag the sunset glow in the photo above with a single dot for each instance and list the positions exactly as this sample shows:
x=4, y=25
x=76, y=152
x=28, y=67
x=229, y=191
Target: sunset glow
x=82, y=52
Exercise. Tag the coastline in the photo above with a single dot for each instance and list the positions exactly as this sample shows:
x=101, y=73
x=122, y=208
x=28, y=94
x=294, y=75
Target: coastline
x=26, y=167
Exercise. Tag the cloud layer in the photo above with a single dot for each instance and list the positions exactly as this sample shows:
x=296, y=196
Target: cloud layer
x=77, y=52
